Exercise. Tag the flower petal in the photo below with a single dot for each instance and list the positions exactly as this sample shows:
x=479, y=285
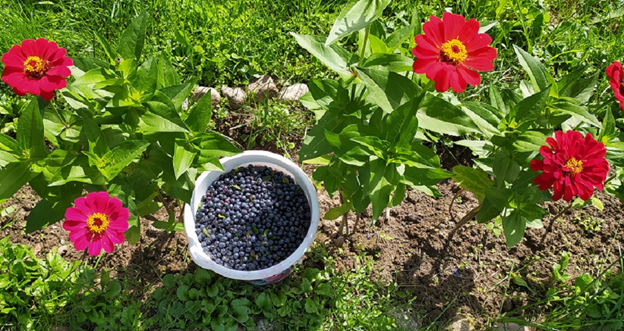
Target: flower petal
x=107, y=244
x=95, y=248
x=453, y=25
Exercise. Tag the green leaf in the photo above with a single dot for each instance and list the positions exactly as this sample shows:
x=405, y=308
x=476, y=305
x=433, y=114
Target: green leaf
x=178, y=93
x=486, y=117
x=570, y=107
x=146, y=78
x=214, y=145
x=597, y=203
x=182, y=292
x=41, y=216
x=496, y=199
x=529, y=141
x=315, y=143
x=115, y=160
x=388, y=62
x=537, y=71
x=112, y=290
x=505, y=168
x=264, y=301
x=441, y=116
x=531, y=107
x=200, y=115
x=78, y=169
x=333, y=56
x=356, y=15
x=577, y=87
x=167, y=75
x=12, y=177
x=130, y=44
x=108, y=50
x=162, y=116
x=311, y=307
x=398, y=37
x=9, y=144
x=30, y=130
x=97, y=141
x=476, y=181
x=513, y=227
x=400, y=125
x=183, y=156
x=203, y=277
x=388, y=90
x=608, y=127
x=336, y=212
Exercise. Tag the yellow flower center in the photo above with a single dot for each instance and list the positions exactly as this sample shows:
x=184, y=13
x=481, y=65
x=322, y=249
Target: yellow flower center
x=574, y=166
x=35, y=67
x=97, y=223
x=453, y=51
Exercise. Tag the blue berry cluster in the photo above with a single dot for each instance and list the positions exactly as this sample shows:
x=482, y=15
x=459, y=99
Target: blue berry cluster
x=252, y=218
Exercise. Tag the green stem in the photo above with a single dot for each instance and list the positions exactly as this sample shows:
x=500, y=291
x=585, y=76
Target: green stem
x=366, y=33
x=97, y=261
x=162, y=200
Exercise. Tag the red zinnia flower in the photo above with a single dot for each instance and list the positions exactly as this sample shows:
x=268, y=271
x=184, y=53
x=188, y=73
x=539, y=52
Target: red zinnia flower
x=36, y=67
x=614, y=71
x=449, y=48
x=572, y=165
x=97, y=221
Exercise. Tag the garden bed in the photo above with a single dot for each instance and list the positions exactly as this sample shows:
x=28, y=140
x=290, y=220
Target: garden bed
x=468, y=274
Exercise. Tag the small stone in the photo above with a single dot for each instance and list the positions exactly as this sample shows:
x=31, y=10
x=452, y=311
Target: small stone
x=200, y=91
x=339, y=241
x=263, y=88
x=62, y=250
x=37, y=248
x=460, y=324
x=511, y=327
x=236, y=96
x=293, y=93
x=404, y=320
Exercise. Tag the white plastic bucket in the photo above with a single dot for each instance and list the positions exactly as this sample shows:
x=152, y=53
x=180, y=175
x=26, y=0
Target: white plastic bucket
x=259, y=158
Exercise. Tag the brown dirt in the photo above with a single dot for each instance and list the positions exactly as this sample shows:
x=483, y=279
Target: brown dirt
x=467, y=274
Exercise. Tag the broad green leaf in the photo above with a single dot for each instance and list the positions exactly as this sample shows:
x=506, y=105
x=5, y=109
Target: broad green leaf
x=12, y=177
x=388, y=90
x=115, y=160
x=9, y=144
x=108, y=50
x=324, y=92
x=513, y=227
x=398, y=37
x=398, y=196
x=486, y=117
x=97, y=141
x=214, y=145
x=400, y=126
x=529, y=141
x=496, y=200
x=333, y=56
x=146, y=78
x=200, y=115
x=389, y=62
x=384, y=181
x=579, y=88
x=183, y=156
x=540, y=78
x=377, y=45
x=41, y=216
x=130, y=44
x=87, y=63
x=476, y=181
x=608, y=127
x=331, y=177
x=496, y=100
x=314, y=143
x=336, y=212
x=6, y=158
x=178, y=93
x=356, y=15
x=569, y=107
x=441, y=116
x=167, y=75
x=532, y=106
x=415, y=177
x=30, y=131
x=162, y=116
x=375, y=145
x=78, y=170
x=505, y=168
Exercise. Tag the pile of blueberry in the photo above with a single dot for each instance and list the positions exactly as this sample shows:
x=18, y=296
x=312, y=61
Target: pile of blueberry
x=252, y=218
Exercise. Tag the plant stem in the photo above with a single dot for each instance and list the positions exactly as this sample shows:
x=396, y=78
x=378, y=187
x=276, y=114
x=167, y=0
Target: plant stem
x=162, y=200
x=366, y=33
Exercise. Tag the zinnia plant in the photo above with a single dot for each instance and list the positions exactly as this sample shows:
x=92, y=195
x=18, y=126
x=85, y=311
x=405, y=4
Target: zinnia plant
x=616, y=80
x=38, y=67
x=450, y=50
x=572, y=165
x=97, y=221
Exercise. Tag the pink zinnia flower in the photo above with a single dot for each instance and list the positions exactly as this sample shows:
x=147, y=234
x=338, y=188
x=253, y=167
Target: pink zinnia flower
x=450, y=50
x=97, y=221
x=616, y=80
x=36, y=67
x=572, y=165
